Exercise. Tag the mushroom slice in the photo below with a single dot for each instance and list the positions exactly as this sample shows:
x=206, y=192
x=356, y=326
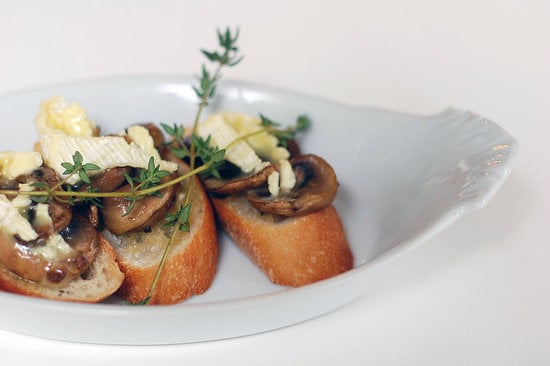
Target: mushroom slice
x=46, y=260
x=315, y=189
x=293, y=147
x=238, y=184
x=119, y=219
x=110, y=180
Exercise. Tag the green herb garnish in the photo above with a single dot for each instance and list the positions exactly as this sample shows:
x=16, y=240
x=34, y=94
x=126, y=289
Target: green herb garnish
x=227, y=56
x=199, y=148
x=180, y=219
x=194, y=149
x=79, y=167
x=144, y=180
x=303, y=122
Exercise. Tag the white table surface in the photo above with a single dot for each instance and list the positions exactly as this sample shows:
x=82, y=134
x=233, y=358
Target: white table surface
x=476, y=294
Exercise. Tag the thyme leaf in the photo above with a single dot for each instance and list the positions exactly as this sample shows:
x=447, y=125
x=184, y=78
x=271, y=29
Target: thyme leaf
x=303, y=122
x=199, y=148
x=78, y=168
x=41, y=186
x=145, y=179
x=92, y=200
x=208, y=154
x=175, y=131
x=177, y=145
x=149, y=181
x=180, y=219
x=227, y=55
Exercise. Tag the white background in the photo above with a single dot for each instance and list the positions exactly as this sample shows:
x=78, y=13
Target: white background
x=478, y=293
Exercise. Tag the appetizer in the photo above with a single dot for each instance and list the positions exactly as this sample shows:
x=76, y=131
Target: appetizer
x=275, y=204
x=72, y=227
x=87, y=215
x=47, y=249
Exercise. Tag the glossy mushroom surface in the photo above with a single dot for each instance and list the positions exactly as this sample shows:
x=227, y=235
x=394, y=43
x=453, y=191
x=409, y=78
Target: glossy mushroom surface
x=238, y=184
x=316, y=187
x=24, y=258
x=148, y=210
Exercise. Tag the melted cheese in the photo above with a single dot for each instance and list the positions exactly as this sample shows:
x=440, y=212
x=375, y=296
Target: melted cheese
x=56, y=114
x=263, y=143
x=287, y=180
x=41, y=215
x=56, y=247
x=221, y=135
x=64, y=129
x=273, y=183
x=14, y=164
x=224, y=128
x=13, y=223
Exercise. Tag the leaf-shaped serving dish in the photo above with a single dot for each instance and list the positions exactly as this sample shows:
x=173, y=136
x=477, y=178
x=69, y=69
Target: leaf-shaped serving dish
x=402, y=179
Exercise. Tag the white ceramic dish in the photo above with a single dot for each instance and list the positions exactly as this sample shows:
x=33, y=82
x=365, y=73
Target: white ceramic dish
x=403, y=178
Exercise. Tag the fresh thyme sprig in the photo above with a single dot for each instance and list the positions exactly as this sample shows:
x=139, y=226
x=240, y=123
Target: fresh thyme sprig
x=227, y=42
x=204, y=151
x=149, y=181
x=40, y=187
x=93, y=199
x=177, y=144
x=303, y=122
x=227, y=56
x=199, y=148
x=208, y=154
x=145, y=179
x=44, y=193
x=78, y=168
x=143, y=184
x=179, y=219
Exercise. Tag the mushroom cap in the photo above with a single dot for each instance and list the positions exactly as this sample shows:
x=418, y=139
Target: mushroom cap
x=19, y=257
x=316, y=187
x=109, y=180
x=147, y=211
x=241, y=183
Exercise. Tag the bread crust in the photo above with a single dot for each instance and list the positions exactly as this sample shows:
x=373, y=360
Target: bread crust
x=101, y=281
x=292, y=251
x=191, y=264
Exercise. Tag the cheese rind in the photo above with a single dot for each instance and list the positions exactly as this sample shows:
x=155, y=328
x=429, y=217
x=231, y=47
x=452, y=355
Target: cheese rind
x=65, y=129
x=221, y=135
x=225, y=128
x=263, y=143
x=105, y=151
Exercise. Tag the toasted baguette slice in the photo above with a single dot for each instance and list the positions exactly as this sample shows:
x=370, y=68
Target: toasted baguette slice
x=102, y=279
x=191, y=265
x=292, y=251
